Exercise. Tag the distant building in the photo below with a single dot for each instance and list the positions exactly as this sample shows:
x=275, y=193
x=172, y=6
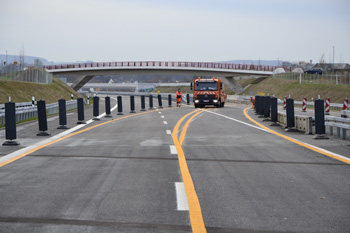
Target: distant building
x=342, y=68
x=298, y=70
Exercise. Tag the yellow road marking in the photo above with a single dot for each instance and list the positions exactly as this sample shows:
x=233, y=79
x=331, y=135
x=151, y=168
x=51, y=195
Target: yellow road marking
x=184, y=130
x=70, y=135
x=295, y=141
x=196, y=217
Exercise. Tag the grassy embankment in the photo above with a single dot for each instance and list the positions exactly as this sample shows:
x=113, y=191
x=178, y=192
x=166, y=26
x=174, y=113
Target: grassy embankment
x=281, y=88
x=23, y=91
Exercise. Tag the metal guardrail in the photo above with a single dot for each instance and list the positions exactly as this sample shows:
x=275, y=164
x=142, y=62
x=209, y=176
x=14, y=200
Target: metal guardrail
x=24, y=111
x=306, y=124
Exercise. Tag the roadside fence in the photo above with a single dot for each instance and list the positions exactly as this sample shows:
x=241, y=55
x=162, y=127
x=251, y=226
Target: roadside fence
x=26, y=74
x=336, y=79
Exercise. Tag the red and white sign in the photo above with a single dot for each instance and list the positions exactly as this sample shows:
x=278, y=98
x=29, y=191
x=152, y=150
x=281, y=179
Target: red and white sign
x=327, y=105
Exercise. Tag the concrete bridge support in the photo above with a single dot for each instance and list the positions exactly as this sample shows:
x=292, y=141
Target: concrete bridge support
x=81, y=81
x=233, y=84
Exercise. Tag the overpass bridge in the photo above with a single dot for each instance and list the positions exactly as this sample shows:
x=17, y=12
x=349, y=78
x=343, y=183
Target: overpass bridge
x=87, y=71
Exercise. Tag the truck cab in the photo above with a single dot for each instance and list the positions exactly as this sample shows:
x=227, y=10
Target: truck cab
x=208, y=92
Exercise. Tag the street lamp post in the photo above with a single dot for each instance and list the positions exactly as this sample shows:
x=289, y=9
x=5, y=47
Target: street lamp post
x=333, y=59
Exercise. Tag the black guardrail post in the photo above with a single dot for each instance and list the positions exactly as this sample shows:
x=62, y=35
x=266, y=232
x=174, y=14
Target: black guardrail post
x=267, y=106
x=10, y=125
x=169, y=100
x=290, y=115
x=33, y=100
x=188, y=99
x=151, y=102
x=274, y=112
x=160, y=104
x=143, y=103
x=42, y=118
x=81, y=116
x=256, y=106
x=132, y=104
x=261, y=107
x=62, y=113
x=120, y=105
x=320, y=127
x=108, y=106
x=96, y=101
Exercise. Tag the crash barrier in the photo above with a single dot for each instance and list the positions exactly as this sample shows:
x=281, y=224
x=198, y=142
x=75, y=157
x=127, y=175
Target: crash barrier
x=318, y=124
x=341, y=125
x=120, y=105
x=25, y=111
x=42, y=118
x=160, y=101
x=96, y=108
x=108, y=106
x=143, y=103
x=132, y=104
x=10, y=131
x=62, y=114
x=81, y=115
x=151, y=102
x=169, y=100
x=188, y=99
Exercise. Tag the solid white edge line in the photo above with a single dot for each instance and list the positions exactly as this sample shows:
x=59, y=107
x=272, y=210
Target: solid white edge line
x=173, y=150
x=242, y=122
x=257, y=127
x=181, y=197
x=51, y=139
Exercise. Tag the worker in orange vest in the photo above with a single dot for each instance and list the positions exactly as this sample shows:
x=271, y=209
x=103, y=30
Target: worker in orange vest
x=178, y=96
x=252, y=99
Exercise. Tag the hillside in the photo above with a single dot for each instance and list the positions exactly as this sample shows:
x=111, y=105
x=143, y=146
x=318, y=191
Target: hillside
x=282, y=88
x=23, y=92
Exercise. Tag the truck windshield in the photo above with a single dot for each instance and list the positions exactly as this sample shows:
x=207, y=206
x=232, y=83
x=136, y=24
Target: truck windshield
x=206, y=86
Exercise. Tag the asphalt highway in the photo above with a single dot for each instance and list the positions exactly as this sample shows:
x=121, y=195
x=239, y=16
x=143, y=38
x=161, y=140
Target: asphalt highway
x=173, y=170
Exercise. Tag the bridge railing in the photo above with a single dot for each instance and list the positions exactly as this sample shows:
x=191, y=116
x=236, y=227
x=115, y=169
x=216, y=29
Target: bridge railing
x=165, y=64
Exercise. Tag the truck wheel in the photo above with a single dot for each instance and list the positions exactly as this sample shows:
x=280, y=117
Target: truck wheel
x=218, y=105
x=222, y=104
x=196, y=106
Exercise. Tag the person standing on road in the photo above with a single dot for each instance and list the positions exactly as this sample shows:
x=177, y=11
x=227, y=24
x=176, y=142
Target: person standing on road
x=178, y=97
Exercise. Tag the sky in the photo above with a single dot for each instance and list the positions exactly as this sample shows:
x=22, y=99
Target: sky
x=181, y=30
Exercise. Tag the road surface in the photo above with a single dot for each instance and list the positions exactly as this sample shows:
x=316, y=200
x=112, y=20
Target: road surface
x=173, y=170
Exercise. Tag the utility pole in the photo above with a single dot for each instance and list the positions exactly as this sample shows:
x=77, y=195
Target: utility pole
x=333, y=59
x=6, y=57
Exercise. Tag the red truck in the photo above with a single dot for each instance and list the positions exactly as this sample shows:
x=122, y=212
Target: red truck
x=208, y=92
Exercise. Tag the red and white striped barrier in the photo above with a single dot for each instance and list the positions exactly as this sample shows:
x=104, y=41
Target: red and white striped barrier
x=304, y=104
x=327, y=105
x=346, y=101
x=285, y=103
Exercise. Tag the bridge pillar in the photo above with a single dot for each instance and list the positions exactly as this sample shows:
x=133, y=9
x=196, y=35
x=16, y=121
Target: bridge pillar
x=81, y=82
x=233, y=84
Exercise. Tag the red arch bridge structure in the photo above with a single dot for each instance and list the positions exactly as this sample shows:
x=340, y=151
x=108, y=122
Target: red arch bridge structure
x=228, y=72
